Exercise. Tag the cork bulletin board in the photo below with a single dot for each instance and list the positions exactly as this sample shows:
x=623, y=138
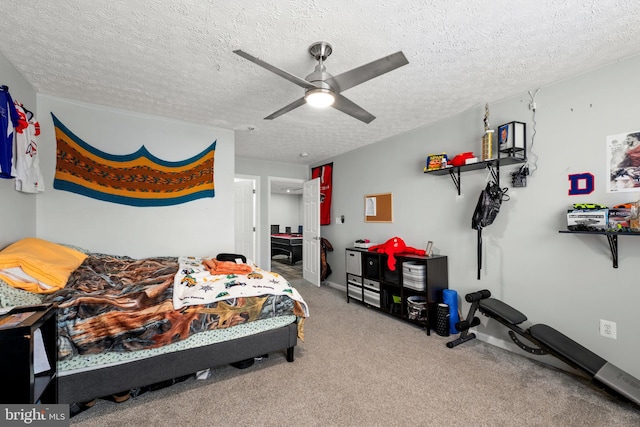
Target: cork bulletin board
x=378, y=207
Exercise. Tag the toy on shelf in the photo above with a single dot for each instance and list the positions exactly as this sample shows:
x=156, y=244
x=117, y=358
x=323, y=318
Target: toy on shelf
x=393, y=246
x=436, y=162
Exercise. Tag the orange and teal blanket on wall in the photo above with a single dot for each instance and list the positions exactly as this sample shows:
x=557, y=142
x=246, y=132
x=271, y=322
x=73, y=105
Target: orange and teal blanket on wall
x=137, y=179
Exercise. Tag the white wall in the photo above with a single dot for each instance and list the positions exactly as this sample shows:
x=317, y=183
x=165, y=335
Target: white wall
x=201, y=227
x=17, y=210
x=286, y=211
x=262, y=170
x=566, y=281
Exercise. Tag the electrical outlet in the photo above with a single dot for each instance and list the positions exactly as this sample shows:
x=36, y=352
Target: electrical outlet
x=608, y=329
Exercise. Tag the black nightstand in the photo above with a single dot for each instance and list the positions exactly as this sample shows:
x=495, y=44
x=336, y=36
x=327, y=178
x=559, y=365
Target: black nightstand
x=29, y=355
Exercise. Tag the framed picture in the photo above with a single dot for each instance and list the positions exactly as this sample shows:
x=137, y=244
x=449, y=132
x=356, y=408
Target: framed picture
x=511, y=137
x=623, y=162
x=429, y=249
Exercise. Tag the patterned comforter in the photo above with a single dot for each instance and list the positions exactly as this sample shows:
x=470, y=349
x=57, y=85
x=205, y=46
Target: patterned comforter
x=113, y=303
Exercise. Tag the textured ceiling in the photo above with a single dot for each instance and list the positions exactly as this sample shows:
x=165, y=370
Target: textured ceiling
x=175, y=58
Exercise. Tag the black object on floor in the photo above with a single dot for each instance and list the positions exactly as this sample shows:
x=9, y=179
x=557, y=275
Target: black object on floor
x=76, y=408
x=243, y=364
x=547, y=340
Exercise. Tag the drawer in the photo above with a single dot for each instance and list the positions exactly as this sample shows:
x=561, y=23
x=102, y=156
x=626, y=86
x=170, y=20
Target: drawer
x=416, y=285
x=371, y=284
x=354, y=262
x=353, y=279
x=355, y=292
x=372, y=298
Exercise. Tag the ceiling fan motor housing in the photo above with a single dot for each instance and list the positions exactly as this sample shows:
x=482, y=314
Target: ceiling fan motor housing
x=320, y=50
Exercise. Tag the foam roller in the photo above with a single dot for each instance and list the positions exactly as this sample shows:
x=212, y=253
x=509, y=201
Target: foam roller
x=450, y=297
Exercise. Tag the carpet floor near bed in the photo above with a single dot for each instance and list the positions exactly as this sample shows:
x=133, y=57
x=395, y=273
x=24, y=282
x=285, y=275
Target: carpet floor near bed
x=358, y=367
x=281, y=265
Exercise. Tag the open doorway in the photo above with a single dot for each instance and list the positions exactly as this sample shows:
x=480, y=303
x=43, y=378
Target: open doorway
x=286, y=219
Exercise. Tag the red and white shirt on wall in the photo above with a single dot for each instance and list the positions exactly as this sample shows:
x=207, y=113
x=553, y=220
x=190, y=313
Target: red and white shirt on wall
x=26, y=165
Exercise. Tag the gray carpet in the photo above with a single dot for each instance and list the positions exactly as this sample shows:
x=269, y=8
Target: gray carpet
x=281, y=265
x=358, y=367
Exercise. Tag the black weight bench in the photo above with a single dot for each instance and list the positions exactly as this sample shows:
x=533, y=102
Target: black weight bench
x=547, y=340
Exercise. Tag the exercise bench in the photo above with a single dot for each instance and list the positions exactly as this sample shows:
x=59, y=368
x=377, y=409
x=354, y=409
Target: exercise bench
x=547, y=340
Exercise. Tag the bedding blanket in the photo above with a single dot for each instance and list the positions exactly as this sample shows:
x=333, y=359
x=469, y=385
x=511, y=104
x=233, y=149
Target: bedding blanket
x=113, y=303
x=198, y=283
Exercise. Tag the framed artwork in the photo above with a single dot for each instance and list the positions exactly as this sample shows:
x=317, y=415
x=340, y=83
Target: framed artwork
x=623, y=162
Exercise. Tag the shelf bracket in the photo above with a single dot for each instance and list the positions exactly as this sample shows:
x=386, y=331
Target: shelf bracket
x=613, y=245
x=612, y=238
x=455, y=179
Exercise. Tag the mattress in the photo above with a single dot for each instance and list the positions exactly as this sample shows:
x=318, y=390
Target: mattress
x=88, y=362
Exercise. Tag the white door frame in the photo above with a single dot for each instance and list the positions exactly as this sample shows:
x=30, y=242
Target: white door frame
x=268, y=231
x=256, y=207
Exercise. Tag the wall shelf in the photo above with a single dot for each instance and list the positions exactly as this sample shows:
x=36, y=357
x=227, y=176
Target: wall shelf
x=612, y=238
x=455, y=171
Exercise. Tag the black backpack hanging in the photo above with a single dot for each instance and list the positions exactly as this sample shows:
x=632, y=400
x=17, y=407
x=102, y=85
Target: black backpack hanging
x=486, y=211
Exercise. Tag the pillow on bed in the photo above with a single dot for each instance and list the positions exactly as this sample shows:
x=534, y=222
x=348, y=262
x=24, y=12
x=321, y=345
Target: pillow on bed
x=231, y=257
x=37, y=265
x=12, y=297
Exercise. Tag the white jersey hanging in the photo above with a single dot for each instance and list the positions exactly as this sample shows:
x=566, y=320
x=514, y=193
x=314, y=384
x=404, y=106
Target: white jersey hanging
x=26, y=167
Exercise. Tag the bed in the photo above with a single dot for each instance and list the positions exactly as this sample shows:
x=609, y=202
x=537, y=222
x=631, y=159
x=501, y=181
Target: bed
x=126, y=323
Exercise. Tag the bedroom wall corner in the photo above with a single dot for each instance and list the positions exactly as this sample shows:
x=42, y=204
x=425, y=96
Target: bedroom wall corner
x=18, y=213
x=203, y=227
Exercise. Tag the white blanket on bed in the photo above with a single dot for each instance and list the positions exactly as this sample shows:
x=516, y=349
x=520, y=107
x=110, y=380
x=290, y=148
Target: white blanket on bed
x=194, y=285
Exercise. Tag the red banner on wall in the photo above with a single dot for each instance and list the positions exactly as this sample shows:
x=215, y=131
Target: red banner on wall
x=325, y=173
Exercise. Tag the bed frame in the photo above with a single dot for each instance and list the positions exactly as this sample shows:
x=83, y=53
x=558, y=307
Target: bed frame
x=88, y=385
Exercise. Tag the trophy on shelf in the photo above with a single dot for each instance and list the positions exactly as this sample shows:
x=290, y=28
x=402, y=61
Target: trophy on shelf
x=487, y=138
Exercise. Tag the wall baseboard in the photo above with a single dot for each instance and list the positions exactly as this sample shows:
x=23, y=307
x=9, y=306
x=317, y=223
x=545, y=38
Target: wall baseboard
x=333, y=285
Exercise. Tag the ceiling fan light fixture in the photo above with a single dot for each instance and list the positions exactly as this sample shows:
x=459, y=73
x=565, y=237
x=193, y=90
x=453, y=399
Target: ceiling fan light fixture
x=319, y=97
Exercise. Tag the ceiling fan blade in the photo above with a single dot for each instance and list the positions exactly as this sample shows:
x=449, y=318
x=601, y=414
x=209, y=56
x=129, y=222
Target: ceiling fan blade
x=295, y=104
x=294, y=79
x=349, y=107
x=361, y=74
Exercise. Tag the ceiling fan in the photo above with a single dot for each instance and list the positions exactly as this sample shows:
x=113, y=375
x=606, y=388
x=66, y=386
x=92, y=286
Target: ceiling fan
x=323, y=90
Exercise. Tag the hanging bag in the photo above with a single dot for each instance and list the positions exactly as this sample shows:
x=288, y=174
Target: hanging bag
x=485, y=213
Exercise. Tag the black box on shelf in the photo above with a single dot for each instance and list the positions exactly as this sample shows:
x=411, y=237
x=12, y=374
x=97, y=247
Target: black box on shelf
x=371, y=266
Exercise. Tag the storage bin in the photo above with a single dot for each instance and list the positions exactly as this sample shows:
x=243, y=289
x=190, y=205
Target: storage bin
x=413, y=275
x=417, y=308
x=354, y=262
x=371, y=266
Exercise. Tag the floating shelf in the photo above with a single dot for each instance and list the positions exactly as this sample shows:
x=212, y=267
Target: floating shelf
x=454, y=171
x=612, y=238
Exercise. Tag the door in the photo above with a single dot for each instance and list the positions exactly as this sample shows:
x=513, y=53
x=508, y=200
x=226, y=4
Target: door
x=311, y=231
x=245, y=231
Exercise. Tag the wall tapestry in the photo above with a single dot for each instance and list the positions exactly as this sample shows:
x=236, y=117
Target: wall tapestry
x=325, y=173
x=137, y=179
x=623, y=162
